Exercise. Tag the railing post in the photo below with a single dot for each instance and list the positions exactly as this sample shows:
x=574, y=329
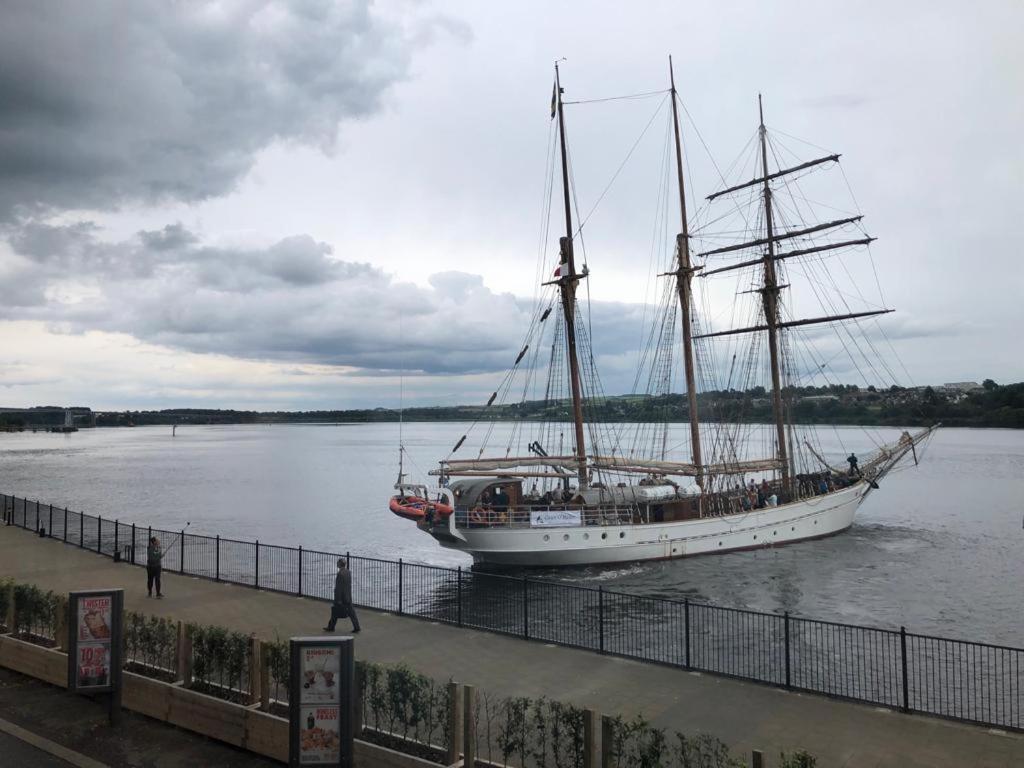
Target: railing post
x=117, y=525
x=37, y=515
x=256, y=580
x=591, y=730
x=10, y=619
x=255, y=656
x=458, y=593
x=49, y=531
x=63, y=608
x=217, y=566
x=400, y=569
x=469, y=726
x=608, y=743
x=456, y=723
x=65, y=524
x=787, y=650
x=300, y=571
x=184, y=655
x=686, y=626
x=181, y=552
x=903, y=658
x=600, y=617
x=265, y=680
x=133, y=544
x=526, y=607
x=99, y=534
x=81, y=530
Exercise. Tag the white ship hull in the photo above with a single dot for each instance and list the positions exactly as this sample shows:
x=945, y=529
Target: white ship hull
x=810, y=518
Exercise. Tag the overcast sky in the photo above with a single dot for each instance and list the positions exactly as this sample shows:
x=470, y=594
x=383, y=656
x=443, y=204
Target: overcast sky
x=276, y=205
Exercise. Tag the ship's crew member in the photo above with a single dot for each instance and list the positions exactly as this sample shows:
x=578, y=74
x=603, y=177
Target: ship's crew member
x=500, y=500
x=154, y=564
x=854, y=469
x=823, y=485
x=342, y=605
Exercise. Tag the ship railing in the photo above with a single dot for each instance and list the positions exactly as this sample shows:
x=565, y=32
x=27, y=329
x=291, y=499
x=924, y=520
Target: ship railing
x=527, y=517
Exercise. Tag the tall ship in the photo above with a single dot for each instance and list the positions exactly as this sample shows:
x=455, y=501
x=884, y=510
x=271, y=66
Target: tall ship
x=577, y=485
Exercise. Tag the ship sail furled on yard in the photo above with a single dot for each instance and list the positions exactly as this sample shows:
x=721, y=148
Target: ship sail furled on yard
x=584, y=488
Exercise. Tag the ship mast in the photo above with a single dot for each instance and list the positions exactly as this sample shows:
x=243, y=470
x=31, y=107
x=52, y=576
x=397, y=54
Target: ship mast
x=567, y=281
x=684, y=276
x=770, y=300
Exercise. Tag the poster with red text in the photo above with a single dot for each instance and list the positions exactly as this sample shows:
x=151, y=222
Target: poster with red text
x=319, y=735
x=93, y=665
x=94, y=618
x=320, y=666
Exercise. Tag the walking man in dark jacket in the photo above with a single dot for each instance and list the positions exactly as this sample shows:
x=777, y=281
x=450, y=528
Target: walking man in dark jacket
x=154, y=562
x=342, y=606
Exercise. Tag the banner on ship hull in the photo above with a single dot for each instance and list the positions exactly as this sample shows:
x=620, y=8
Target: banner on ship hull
x=555, y=518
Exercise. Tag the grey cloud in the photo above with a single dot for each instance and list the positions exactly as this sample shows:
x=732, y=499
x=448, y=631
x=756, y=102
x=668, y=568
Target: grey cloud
x=290, y=301
x=107, y=103
x=293, y=301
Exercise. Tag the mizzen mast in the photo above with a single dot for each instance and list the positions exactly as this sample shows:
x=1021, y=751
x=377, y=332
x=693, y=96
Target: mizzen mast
x=770, y=300
x=567, y=281
x=684, y=275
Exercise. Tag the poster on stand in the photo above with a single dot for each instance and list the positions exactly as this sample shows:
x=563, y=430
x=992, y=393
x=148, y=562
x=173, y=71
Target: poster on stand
x=319, y=735
x=94, y=640
x=93, y=662
x=321, y=701
x=319, y=664
x=94, y=617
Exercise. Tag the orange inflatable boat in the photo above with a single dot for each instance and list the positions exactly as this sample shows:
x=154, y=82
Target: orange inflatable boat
x=416, y=508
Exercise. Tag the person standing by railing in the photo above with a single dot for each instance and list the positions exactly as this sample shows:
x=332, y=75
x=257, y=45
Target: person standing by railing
x=154, y=564
x=342, y=606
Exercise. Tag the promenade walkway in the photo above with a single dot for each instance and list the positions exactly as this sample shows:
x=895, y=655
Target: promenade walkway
x=744, y=715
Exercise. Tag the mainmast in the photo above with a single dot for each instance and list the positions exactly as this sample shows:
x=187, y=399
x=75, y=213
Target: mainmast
x=770, y=298
x=567, y=281
x=683, y=281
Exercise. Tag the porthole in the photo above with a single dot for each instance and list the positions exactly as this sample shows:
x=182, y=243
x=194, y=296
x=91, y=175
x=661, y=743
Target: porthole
x=755, y=535
x=622, y=534
x=775, y=533
x=546, y=537
x=565, y=537
x=815, y=522
x=586, y=535
x=719, y=543
x=604, y=535
x=793, y=528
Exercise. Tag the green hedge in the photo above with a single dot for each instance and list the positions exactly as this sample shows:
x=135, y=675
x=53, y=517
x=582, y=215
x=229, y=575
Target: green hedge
x=220, y=661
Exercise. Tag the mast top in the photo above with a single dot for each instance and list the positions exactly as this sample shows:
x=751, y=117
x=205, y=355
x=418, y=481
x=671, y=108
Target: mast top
x=760, y=110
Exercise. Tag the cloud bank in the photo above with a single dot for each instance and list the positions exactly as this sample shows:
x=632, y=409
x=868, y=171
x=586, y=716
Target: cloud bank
x=108, y=103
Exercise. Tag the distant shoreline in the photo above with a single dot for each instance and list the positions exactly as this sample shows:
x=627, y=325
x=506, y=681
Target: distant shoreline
x=969, y=405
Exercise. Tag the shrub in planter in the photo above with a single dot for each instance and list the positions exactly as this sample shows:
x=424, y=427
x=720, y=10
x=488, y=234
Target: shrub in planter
x=220, y=661
x=36, y=614
x=150, y=645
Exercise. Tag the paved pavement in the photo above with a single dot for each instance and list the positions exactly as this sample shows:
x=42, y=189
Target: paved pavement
x=744, y=715
x=17, y=752
x=35, y=714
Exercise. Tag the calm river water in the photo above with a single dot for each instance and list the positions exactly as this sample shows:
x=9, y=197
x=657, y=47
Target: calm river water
x=939, y=548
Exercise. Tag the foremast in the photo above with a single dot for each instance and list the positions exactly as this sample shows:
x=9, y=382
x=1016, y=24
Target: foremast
x=770, y=289
x=684, y=276
x=567, y=282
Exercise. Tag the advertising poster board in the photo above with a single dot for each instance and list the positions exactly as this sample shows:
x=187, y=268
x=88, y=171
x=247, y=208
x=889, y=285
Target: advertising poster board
x=321, y=701
x=94, y=644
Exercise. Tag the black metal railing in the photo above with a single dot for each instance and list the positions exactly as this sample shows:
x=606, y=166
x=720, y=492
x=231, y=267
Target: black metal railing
x=962, y=680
